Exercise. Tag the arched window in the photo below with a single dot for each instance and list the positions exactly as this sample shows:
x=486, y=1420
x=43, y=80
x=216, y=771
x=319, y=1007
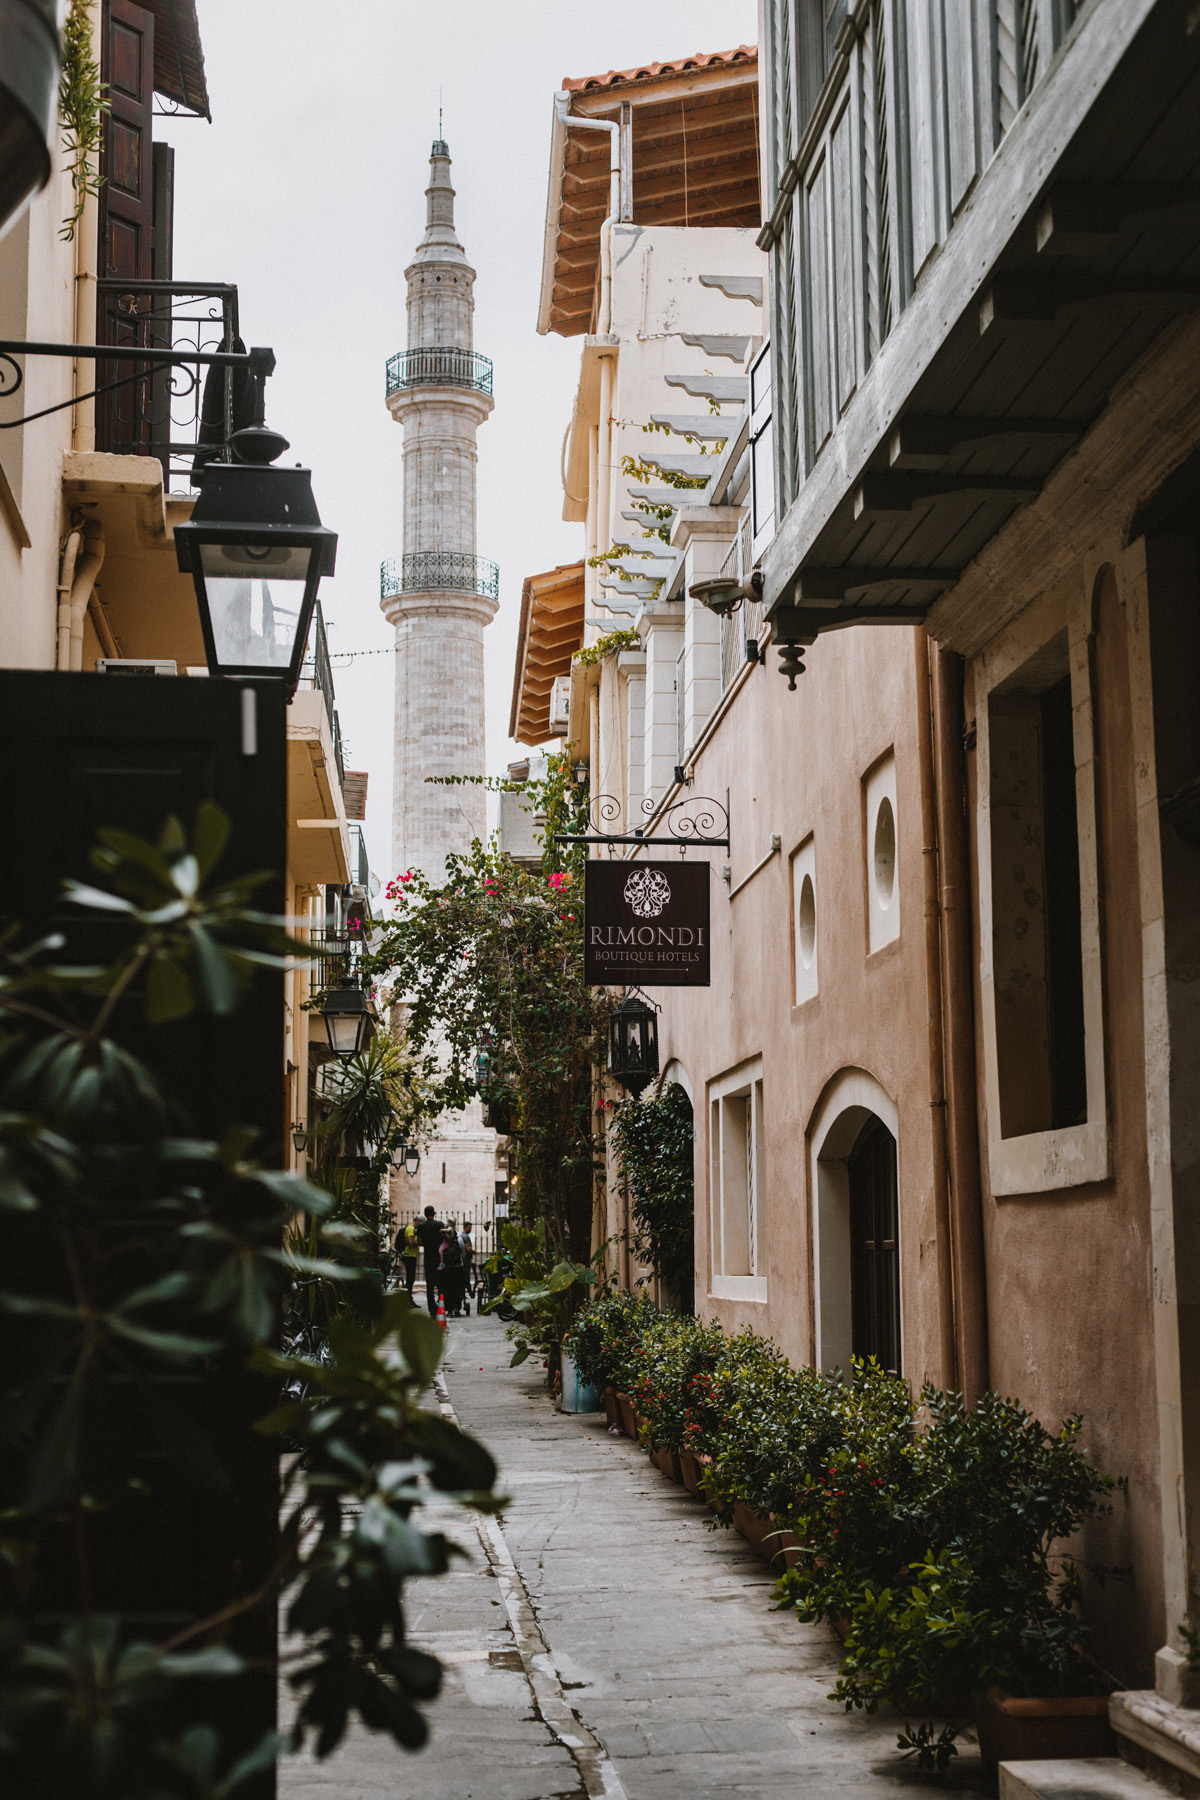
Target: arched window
x=853, y=1139
x=874, y=1246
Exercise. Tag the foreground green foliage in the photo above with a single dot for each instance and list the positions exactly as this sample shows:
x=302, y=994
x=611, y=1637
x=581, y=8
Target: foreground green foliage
x=935, y=1535
x=143, y=1271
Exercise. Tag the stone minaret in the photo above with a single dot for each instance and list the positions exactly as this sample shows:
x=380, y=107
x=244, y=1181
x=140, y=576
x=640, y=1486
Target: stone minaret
x=439, y=595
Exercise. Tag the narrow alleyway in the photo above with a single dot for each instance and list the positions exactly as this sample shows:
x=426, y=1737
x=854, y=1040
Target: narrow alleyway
x=602, y=1641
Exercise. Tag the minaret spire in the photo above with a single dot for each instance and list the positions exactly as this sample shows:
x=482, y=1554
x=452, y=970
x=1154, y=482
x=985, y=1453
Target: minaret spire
x=438, y=594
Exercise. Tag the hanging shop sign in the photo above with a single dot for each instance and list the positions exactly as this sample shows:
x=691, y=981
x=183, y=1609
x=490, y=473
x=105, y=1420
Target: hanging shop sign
x=646, y=924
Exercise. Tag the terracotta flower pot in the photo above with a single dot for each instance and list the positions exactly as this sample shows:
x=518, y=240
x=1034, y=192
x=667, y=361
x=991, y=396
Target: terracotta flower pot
x=667, y=1461
x=765, y=1537
x=1012, y=1729
x=612, y=1412
x=689, y=1473
x=625, y=1405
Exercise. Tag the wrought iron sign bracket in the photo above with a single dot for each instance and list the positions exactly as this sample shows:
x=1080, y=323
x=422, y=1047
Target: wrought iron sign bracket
x=258, y=362
x=698, y=815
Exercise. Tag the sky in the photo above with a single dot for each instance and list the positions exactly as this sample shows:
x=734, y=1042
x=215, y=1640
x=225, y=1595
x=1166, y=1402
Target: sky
x=308, y=192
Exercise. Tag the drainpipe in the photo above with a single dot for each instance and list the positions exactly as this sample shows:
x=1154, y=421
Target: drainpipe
x=604, y=471
x=966, y=1206
x=70, y=556
x=86, y=571
x=565, y=119
x=946, y=1295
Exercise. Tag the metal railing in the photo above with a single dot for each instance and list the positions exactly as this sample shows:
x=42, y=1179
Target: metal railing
x=360, y=868
x=330, y=961
x=439, y=365
x=177, y=415
x=317, y=672
x=432, y=571
x=744, y=625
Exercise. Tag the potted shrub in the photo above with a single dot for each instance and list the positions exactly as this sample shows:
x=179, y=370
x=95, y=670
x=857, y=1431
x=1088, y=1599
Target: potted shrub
x=940, y=1550
x=602, y=1337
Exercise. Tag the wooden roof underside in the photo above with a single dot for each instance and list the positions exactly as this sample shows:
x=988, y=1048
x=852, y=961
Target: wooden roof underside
x=695, y=162
x=551, y=631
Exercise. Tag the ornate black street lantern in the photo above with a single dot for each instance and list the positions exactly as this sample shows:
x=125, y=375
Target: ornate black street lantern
x=347, y=1021
x=633, y=1044
x=299, y=1138
x=256, y=550
x=407, y=1157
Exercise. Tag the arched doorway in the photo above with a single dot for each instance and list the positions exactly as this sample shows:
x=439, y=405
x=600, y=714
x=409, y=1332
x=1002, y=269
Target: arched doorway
x=874, y=1246
x=855, y=1224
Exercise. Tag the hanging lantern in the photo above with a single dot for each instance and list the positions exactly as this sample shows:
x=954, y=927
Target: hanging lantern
x=347, y=1020
x=633, y=1044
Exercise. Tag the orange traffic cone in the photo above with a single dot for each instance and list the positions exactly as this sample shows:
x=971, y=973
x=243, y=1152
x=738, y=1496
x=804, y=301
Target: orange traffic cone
x=441, y=1313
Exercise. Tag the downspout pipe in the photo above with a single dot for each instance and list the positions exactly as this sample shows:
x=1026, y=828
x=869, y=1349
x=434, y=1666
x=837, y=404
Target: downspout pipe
x=70, y=557
x=564, y=120
x=947, y=1296
x=958, y=966
x=86, y=571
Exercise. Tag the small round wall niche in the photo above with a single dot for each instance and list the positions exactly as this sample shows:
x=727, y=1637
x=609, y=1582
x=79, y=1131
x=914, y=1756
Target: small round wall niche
x=808, y=923
x=884, y=853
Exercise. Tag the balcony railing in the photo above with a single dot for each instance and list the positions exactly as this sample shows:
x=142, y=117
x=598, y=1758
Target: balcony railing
x=330, y=961
x=432, y=571
x=317, y=672
x=439, y=365
x=360, y=868
x=181, y=415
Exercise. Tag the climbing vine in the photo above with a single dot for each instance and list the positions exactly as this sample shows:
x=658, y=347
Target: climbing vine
x=608, y=645
x=654, y=1140
x=82, y=104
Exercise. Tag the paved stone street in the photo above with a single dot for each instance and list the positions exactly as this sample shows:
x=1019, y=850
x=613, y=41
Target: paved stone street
x=603, y=1641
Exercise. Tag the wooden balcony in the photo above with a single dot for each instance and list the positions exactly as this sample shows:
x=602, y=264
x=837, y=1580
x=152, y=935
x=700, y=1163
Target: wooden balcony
x=979, y=229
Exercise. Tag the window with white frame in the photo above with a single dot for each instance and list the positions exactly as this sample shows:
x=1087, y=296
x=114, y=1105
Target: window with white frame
x=882, y=884
x=762, y=453
x=804, y=921
x=737, y=1184
x=1040, y=974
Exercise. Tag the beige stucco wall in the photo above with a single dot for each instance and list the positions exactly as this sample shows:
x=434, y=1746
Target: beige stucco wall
x=794, y=765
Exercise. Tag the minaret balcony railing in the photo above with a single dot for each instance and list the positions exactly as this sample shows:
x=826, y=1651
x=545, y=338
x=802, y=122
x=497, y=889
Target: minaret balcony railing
x=427, y=571
x=439, y=365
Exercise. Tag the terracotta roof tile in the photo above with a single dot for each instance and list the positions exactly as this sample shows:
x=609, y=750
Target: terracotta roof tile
x=659, y=71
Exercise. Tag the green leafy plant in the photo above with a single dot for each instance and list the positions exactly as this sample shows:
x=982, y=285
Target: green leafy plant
x=143, y=1271
x=608, y=1334
x=655, y=1142
x=544, y=1299
x=495, y=955
x=610, y=644
x=82, y=103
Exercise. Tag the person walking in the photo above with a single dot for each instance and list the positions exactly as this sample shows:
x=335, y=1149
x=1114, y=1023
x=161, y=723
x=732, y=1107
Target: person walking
x=409, y=1249
x=429, y=1232
x=453, y=1280
x=467, y=1245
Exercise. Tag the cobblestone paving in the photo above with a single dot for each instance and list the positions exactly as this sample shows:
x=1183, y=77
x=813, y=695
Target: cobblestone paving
x=624, y=1610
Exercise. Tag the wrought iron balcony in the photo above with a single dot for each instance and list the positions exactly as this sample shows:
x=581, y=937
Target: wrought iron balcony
x=317, y=672
x=177, y=415
x=432, y=571
x=360, y=867
x=439, y=365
